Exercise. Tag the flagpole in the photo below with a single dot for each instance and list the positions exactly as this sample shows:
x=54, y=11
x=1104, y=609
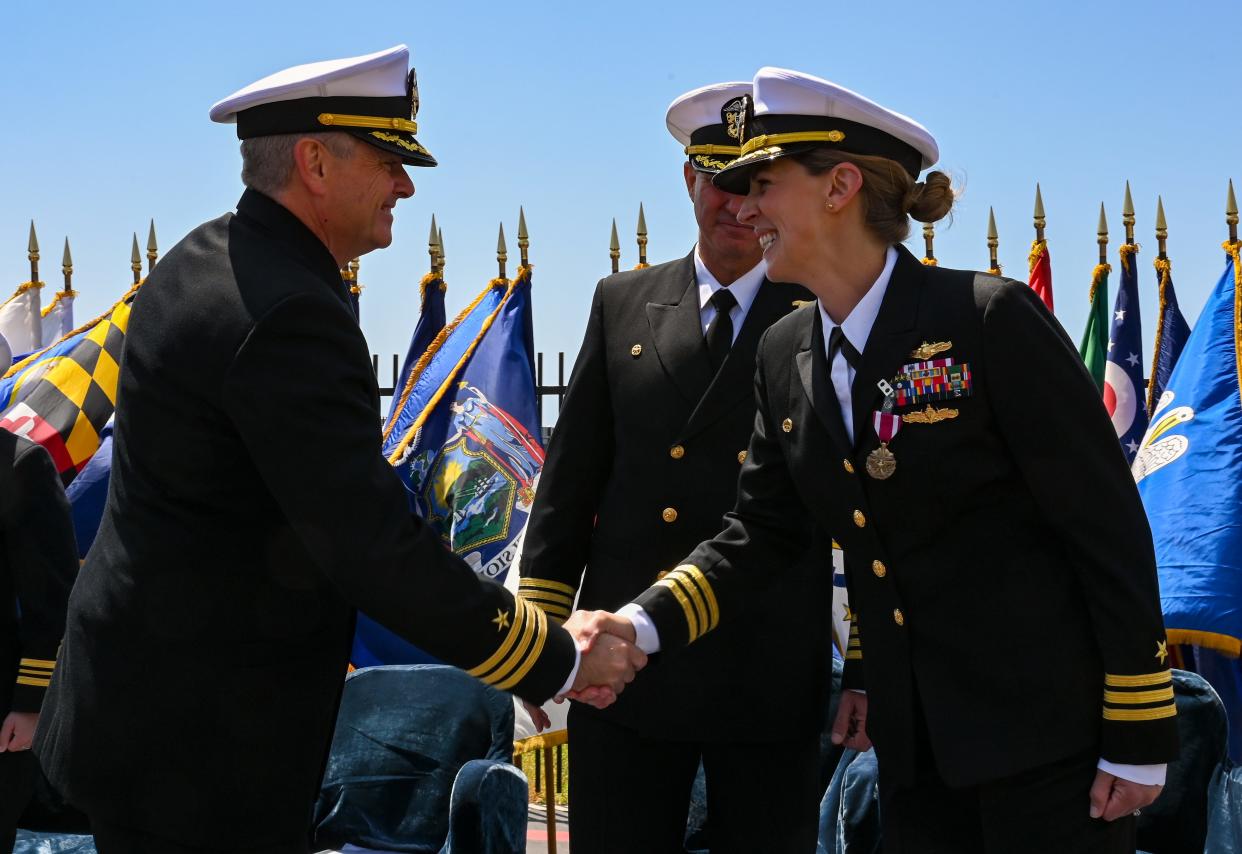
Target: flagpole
x=440, y=249
x=1231, y=215
x=993, y=244
x=1163, y=274
x=153, y=251
x=66, y=267
x=433, y=247
x=1162, y=231
x=1102, y=239
x=135, y=260
x=32, y=253
x=502, y=252
x=614, y=248
x=1040, y=220
x=523, y=236
x=642, y=237
x=929, y=240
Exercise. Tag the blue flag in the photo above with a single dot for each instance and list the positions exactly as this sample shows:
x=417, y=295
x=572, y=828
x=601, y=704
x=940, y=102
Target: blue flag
x=1189, y=472
x=89, y=491
x=465, y=443
x=431, y=319
x=1172, y=330
x=1123, y=370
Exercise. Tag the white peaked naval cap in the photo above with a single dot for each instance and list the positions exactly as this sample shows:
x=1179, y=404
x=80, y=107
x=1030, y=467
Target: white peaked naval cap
x=793, y=112
x=372, y=97
x=707, y=121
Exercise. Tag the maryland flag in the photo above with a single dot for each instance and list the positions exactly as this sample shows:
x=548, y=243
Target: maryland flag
x=62, y=396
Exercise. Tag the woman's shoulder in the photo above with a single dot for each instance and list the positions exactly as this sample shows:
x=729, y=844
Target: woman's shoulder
x=980, y=287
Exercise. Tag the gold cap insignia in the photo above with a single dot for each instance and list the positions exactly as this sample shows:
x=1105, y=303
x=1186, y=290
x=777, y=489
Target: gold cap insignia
x=930, y=415
x=926, y=351
x=732, y=116
x=411, y=88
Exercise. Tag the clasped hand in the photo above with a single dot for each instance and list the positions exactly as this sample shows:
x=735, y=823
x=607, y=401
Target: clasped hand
x=609, y=657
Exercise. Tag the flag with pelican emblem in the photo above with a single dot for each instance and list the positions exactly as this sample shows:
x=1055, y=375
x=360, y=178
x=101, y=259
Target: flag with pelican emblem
x=464, y=440
x=63, y=395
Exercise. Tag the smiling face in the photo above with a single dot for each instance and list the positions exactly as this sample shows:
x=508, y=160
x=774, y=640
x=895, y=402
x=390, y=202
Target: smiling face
x=723, y=242
x=362, y=191
x=786, y=208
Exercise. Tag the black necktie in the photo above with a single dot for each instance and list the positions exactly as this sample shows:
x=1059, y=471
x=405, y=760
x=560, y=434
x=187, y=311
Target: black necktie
x=838, y=341
x=720, y=330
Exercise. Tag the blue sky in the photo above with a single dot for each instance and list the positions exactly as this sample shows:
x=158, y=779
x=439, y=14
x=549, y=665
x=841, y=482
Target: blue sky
x=560, y=107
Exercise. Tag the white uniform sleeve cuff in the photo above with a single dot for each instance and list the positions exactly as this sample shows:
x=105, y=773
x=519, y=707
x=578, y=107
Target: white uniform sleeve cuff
x=573, y=674
x=647, y=638
x=1144, y=775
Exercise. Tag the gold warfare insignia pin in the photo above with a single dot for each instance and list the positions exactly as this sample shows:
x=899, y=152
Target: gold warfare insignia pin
x=732, y=117
x=1162, y=651
x=930, y=415
x=926, y=351
x=502, y=620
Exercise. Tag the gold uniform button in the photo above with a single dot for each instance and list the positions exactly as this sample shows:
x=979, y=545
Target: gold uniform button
x=636, y=350
x=878, y=567
x=849, y=467
x=898, y=617
x=669, y=514
x=677, y=452
x=787, y=425
x=859, y=519
x=741, y=456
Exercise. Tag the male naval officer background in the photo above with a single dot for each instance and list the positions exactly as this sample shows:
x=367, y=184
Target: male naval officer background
x=209, y=630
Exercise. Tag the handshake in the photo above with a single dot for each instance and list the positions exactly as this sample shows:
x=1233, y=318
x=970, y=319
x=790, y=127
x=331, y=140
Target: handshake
x=609, y=660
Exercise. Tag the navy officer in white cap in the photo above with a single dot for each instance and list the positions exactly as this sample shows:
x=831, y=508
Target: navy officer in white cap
x=250, y=510
x=642, y=466
x=940, y=424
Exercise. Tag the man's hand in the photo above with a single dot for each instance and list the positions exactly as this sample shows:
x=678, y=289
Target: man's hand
x=17, y=731
x=586, y=626
x=850, y=727
x=1113, y=797
x=537, y=716
x=609, y=657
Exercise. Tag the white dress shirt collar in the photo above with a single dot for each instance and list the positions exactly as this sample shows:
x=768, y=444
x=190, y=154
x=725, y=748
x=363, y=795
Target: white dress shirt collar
x=744, y=290
x=857, y=326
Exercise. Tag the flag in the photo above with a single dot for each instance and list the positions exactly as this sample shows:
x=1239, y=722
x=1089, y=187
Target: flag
x=57, y=318
x=21, y=320
x=1189, y=473
x=62, y=396
x=1094, y=346
x=1172, y=330
x=1123, y=371
x=431, y=319
x=1041, y=272
x=89, y=491
x=465, y=442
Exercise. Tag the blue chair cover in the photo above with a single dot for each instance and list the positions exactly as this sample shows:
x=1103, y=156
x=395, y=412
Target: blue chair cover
x=30, y=842
x=400, y=775
x=849, y=815
x=1224, y=830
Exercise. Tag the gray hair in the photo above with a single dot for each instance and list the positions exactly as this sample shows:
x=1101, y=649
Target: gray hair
x=267, y=161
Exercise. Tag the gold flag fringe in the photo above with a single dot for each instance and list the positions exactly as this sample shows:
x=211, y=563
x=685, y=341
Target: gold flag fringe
x=24, y=363
x=1165, y=268
x=1125, y=250
x=1097, y=275
x=1038, y=248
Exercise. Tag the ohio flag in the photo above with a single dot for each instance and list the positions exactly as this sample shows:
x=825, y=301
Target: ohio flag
x=1124, y=389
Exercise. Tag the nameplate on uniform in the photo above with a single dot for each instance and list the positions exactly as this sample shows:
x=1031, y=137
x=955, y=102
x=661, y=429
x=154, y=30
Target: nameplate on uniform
x=932, y=380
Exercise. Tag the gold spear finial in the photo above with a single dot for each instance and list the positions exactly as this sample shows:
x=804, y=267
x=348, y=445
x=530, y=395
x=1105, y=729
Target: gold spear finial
x=1231, y=214
x=440, y=247
x=135, y=260
x=523, y=236
x=502, y=251
x=929, y=240
x=614, y=248
x=642, y=236
x=153, y=250
x=1127, y=215
x=433, y=247
x=993, y=243
x=1040, y=220
x=354, y=266
x=1162, y=228
x=1102, y=236
x=66, y=267
x=32, y=253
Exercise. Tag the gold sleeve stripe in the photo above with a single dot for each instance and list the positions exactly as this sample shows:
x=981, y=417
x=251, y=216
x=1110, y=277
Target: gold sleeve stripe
x=544, y=583
x=696, y=596
x=1140, y=714
x=853, y=655
x=692, y=620
x=37, y=662
x=41, y=674
x=30, y=680
x=530, y=628
x=700, y=580
x=1136, y=697
x=541, y=636
x=550, y=607
x=1142, y=680
x=545, y=596
x=520, y=609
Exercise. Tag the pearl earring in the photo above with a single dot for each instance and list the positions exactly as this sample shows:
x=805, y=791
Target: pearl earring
x=829, y=205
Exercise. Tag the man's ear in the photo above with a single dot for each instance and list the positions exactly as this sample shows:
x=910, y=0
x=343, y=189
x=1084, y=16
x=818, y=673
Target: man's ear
x=311, y=164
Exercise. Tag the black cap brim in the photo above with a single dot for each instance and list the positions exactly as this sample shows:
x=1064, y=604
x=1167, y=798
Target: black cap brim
x=400, y=143
x=735, y=178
